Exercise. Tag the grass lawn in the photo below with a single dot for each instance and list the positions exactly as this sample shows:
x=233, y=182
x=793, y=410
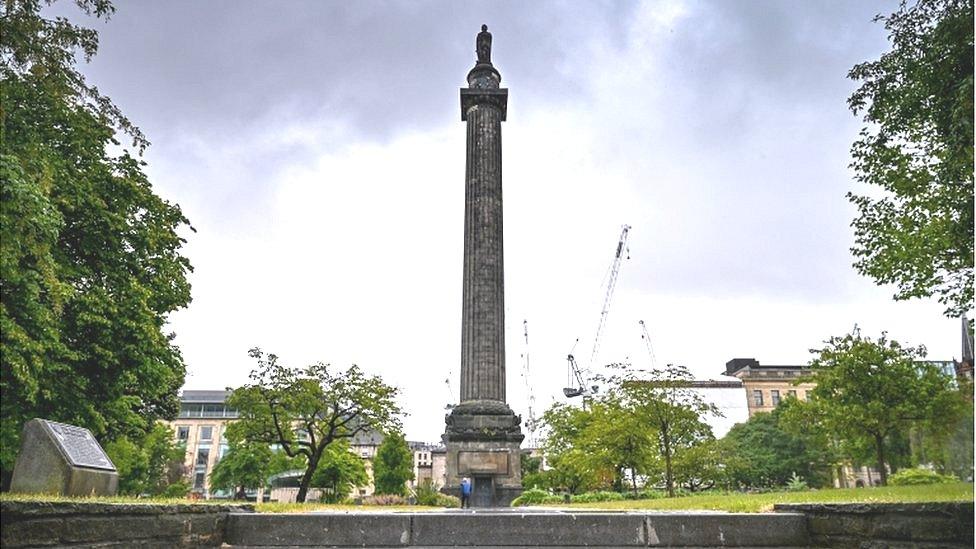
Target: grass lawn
x=310, y=507
x=757, y=503
x=267, y=507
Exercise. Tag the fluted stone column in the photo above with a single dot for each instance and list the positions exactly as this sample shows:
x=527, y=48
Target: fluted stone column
x=483, y=434
x=483, y=309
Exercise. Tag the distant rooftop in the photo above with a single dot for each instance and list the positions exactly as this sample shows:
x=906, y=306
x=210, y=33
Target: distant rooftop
x=204, y=396
x=738, y=364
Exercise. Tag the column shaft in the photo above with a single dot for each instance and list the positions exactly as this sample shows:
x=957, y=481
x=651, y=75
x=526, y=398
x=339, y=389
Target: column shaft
x=483, y=309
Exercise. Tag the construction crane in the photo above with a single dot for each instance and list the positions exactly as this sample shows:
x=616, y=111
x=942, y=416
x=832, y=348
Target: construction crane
x=531, y=423
x=647, y=343
x=575, y=384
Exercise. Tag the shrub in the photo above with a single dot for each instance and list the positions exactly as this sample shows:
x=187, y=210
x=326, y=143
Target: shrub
x=535, y=496
x=912, y=477
x=647, y=494
x=796, y=484
x=592, y=497
x=384, y=499
x=427, y=494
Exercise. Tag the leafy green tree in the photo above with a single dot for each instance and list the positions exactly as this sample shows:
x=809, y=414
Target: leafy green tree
x=150, y=465
x=870, y=392
x=917, y=145
x=248, y=464
x=90, y=262
x=393, y=465
x=765, y=451
x=339, y=471
x=305, y=410
x=663, y=402
x=618, y=442
x=569, y=470
x=699, y=467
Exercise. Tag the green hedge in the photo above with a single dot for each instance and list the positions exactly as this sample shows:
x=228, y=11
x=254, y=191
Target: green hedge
x=914, y=477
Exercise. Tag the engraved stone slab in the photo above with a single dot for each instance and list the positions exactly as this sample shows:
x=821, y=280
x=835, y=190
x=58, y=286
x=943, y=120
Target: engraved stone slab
x=483, y=462
x=61, y=459
x=80, y=446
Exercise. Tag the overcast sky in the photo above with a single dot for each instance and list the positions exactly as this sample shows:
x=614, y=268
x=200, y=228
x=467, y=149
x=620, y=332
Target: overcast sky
x=317, y=149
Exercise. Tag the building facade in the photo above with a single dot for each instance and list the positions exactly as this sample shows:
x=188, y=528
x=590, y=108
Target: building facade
x=767, y=386
x=201, y=427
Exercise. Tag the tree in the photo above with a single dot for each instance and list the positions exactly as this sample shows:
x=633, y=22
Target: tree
x=305, y=410
x=618, y=441
x=90, y=262
x=569, y=470
x=150, y=465
x=339, y=472
x=248, y=464
x=766, y=451
x=664, y=402
x=870, y=392
x=917, y=146
x=393, y=465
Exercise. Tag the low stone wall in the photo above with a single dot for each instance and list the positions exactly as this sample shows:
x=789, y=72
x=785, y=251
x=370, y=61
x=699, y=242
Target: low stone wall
x=517, y=528
x=69, y=524
x=887, y=525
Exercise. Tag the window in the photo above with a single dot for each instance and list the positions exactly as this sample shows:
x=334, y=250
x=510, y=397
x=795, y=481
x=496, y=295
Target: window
x=774, y=397
x=203, y=456
x=198, y=481
x=182, y=432
x=791, y=393
x=757, y=397
x=206, y=432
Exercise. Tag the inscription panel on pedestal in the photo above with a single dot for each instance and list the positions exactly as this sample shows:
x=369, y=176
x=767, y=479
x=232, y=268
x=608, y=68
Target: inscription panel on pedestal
x=80, y=446
x=482, y=462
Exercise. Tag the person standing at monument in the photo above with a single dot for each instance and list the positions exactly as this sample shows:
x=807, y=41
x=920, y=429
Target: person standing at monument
x=465, y=493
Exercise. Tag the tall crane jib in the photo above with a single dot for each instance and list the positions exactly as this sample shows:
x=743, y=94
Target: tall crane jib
x=576, y=385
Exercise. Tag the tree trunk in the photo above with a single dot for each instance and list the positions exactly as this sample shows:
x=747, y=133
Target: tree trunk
x=633, y=478
x=306, y=480
x=879, y=447
x=668, y=472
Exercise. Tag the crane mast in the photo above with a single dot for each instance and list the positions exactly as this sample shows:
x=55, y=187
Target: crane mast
x=531, y=423
x=611, y=284
x=576, y=384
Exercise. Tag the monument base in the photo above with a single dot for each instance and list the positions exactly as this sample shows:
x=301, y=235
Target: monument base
x=64, y=460
x=482, y=441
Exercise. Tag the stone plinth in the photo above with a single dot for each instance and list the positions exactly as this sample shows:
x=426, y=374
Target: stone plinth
x=61, y=459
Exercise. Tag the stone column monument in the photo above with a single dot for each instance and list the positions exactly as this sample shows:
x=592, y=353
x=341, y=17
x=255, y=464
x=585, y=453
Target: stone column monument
x=483, y=434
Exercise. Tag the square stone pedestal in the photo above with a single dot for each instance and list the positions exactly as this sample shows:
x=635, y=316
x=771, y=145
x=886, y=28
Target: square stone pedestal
x=483, y=440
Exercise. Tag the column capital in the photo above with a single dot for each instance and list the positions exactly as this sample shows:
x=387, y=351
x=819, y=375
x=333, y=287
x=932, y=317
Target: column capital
x=497, y=97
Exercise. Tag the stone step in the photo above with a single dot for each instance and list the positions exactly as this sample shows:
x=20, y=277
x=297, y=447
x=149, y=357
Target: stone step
x=510, y=529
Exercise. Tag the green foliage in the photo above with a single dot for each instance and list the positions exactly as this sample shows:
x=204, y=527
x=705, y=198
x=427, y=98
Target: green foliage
x=151, y=465
x=535, y=496
x=917, y=146
x=306, y=410
x=660, y=402
x=869, y=393
x=89, y=255
x=914, y=477
x=393, y=465
x=648, y=424
x=248, y=465
x=590, y=497
x=767, y=450
x=796, y=484
x=427, y=494
x=385, y=499
x=339, y=471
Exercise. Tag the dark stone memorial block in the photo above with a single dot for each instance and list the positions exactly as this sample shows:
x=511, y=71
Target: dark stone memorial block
x=61, y=459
